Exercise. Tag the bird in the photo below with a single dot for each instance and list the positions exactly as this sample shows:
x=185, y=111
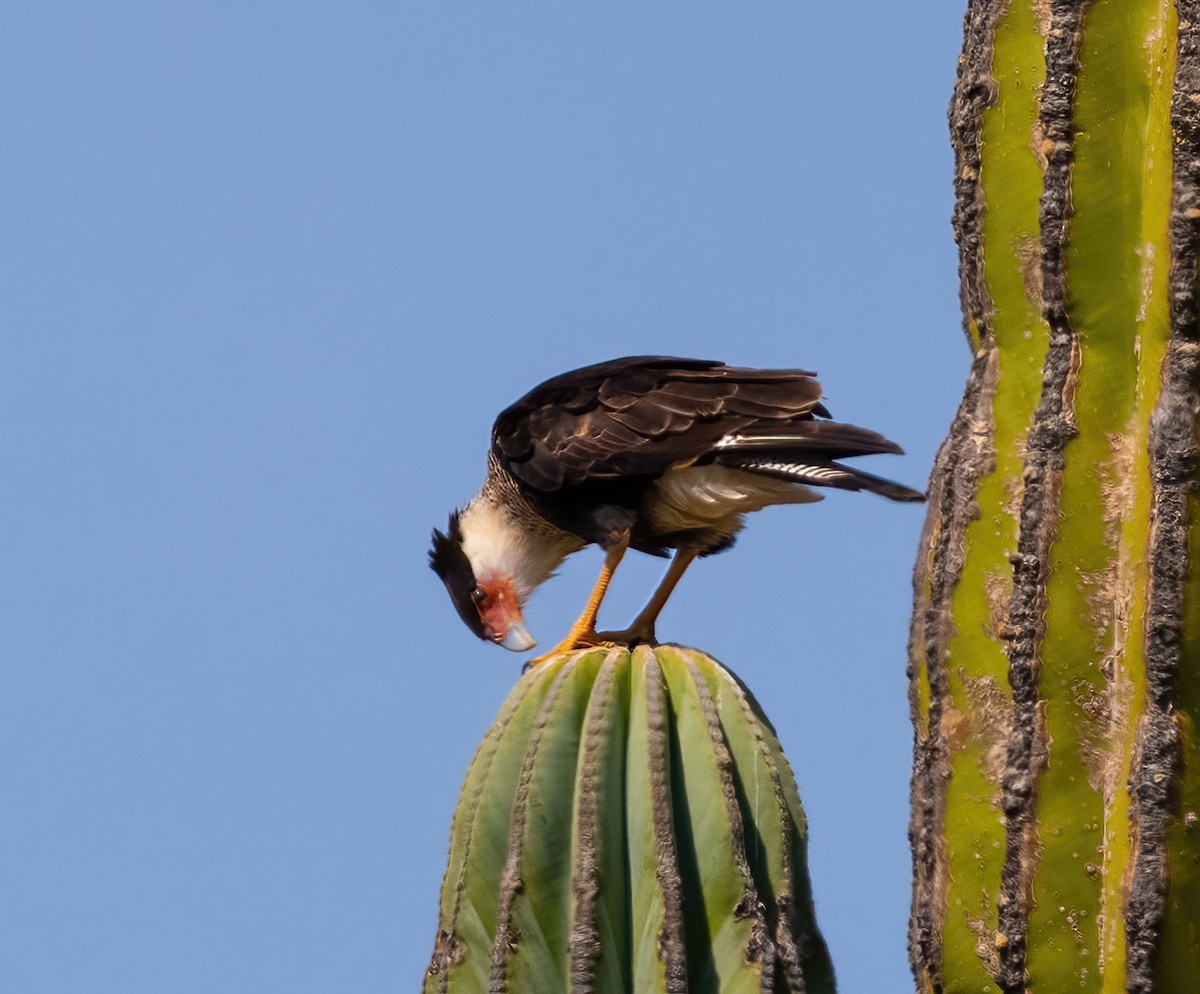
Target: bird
x=657, y=454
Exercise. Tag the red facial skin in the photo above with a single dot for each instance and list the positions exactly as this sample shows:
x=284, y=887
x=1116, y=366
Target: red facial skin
x=498, y=608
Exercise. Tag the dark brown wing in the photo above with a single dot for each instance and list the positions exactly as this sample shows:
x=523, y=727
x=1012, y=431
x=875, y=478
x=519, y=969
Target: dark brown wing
x=641, y=416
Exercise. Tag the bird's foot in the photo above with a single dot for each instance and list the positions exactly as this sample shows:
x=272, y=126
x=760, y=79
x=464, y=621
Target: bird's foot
x=574, y=640
x=629, y=637
x=635, y=635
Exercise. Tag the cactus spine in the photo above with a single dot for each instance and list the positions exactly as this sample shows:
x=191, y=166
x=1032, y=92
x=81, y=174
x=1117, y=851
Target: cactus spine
x=628, y=824
x=1055, y=650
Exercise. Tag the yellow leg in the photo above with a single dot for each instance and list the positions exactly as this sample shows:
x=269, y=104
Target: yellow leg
x=642, y=629
x=583, y=632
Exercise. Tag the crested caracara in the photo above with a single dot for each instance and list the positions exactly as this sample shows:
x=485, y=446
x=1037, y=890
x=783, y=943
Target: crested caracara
x=649, y=453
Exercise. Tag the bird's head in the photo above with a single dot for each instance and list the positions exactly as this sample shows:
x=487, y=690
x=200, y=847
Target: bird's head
x=486, y=599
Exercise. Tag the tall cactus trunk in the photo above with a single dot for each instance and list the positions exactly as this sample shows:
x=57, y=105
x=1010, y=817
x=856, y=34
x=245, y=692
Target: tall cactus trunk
x=629, y=824
x=1055, y=650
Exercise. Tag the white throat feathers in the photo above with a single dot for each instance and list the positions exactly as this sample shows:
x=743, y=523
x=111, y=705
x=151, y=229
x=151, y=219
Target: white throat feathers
x=500, y=547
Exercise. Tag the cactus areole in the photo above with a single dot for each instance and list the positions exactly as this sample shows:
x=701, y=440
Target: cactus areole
x=1055, y=652
x=650, y=453
x=629, y=824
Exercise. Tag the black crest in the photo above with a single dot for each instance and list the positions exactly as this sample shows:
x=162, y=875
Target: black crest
x=447, y=560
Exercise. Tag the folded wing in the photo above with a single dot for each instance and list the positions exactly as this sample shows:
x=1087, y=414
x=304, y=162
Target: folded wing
x=645, y=415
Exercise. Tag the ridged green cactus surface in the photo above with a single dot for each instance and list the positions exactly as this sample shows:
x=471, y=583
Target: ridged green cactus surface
x=629, y=824
x=1056, y=639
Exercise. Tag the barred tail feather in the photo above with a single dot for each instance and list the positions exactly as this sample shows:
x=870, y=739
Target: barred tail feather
x=819, y=473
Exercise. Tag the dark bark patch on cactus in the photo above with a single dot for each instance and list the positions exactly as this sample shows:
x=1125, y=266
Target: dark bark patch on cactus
x=1057, y=121
x=974, y=90
x=1174, y=460
x=448, y=950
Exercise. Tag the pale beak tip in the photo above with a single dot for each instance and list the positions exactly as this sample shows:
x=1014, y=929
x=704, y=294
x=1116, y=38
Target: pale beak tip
x=518, y=639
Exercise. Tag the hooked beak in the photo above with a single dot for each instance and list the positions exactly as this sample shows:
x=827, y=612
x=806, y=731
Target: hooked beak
x=518, y=638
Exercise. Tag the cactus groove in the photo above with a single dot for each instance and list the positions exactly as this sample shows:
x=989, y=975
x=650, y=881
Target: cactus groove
x=628, y=824
x=1055, y=648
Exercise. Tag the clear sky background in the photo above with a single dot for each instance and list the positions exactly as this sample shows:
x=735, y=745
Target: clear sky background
x=267, y=273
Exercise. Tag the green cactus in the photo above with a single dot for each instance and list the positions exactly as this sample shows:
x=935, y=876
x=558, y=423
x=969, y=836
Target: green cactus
x=1056, y=632
x=628, y=824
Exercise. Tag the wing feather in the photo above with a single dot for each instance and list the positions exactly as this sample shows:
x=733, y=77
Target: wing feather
x=689, y=407
x=830, y=439
x=652, y=419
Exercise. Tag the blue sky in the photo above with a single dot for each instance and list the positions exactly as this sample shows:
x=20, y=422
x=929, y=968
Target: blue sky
x=269, y=271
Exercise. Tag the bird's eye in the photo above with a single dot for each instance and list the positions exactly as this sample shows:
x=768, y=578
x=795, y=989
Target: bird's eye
x=480, y=597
